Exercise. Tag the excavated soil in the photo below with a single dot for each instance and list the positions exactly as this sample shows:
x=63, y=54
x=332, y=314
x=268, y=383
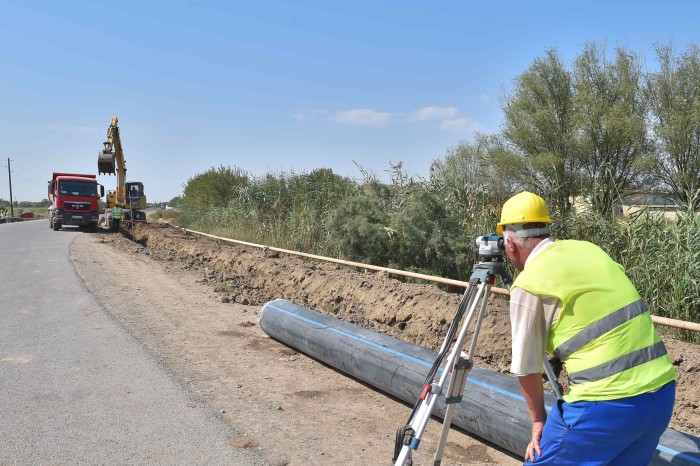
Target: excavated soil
x=194, y=305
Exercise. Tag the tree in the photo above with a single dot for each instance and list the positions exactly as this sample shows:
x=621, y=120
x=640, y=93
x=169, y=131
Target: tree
x=540, y=124
x=214, y=188
x=675, y=104
x=475, y=178
x=175, y=202
x=611, y=121
x=462, y=178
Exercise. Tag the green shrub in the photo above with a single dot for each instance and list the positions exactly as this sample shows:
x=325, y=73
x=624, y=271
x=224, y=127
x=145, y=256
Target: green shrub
x=428, y=239
x=359, y=230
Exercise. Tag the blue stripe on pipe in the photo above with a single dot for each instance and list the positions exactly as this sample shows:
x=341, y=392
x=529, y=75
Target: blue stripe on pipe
x=420, y=361
x=677, y=454
x=354, y=337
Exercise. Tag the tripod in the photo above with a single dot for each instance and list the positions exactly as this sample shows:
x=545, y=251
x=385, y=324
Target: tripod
x=458, y=364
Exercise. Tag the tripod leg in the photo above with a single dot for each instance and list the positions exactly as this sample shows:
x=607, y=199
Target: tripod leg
x=432, y=389
x=482, y=312
x=419, y=420
x=556, y=386
x=460, y=370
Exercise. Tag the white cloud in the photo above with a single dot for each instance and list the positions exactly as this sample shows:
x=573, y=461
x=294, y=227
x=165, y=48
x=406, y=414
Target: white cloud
x=362, y=116
x=461, y=125
x=449, y=117
x=485, y=98
x=433, y=113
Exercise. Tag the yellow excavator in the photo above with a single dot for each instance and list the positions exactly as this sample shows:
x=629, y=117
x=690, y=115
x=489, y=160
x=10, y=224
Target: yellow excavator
x=129, y=195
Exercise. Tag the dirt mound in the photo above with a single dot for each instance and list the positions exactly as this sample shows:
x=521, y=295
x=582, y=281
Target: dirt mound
x=417, y=313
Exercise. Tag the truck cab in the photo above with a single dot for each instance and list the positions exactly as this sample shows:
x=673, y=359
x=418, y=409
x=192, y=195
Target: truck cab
x=74, y=200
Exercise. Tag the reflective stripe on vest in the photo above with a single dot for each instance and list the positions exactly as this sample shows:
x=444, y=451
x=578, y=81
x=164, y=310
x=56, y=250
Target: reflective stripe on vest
x=620, y=364
x=599, y=328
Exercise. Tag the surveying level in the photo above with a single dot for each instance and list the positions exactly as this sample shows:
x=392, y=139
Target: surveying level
x=490, y=250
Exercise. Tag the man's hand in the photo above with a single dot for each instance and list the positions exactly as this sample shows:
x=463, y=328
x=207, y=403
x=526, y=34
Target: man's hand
x=534, y=446
x=531, y=386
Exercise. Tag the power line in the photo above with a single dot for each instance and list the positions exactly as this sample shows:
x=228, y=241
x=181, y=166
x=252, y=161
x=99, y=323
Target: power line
x=31, y=180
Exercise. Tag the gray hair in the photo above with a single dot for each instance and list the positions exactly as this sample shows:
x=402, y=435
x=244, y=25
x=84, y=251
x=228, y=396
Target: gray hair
x=510, y=235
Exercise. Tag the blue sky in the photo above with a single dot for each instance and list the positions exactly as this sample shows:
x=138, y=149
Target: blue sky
x=280, y=86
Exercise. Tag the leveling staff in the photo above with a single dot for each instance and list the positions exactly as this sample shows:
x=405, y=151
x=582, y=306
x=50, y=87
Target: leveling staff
x=573, y=301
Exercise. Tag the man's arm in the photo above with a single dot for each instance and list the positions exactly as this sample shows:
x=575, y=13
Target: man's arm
x=531, y=317
x=533, y=392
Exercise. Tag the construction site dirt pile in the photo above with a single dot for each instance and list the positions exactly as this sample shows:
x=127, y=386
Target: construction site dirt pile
x=232, y=282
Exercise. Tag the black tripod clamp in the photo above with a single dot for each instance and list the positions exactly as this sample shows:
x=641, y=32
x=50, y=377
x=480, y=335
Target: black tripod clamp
x=486, y=271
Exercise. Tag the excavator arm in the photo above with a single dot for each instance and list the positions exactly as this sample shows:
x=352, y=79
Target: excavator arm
x=110, y=161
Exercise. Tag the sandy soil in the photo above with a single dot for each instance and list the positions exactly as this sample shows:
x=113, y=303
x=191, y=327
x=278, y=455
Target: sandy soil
x=291, y=408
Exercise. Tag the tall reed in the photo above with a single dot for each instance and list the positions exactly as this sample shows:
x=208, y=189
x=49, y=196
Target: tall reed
x=663, y=261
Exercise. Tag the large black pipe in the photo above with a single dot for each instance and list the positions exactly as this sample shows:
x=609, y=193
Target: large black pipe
x=492, y=407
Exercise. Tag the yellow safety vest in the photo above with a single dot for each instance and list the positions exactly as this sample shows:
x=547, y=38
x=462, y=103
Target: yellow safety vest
x=604, y=334
x=116, y=213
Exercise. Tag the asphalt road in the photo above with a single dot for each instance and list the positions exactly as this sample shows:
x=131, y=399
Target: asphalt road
x=75, y=388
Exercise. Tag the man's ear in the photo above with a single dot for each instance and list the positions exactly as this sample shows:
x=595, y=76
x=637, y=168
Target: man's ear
x=509, y=245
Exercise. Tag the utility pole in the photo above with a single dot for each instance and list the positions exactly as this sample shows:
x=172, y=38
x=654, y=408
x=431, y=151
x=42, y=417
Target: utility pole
x=9, y=175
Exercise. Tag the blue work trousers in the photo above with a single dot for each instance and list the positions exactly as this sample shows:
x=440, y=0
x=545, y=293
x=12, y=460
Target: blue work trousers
x=622, y=432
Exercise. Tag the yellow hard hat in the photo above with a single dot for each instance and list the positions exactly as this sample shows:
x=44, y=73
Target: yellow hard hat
x=524, y=207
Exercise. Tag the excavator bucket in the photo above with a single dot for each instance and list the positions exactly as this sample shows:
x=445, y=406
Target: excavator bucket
x=106, y=163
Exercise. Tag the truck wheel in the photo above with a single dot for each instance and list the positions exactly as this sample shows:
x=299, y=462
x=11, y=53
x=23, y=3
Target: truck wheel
x=56, y=225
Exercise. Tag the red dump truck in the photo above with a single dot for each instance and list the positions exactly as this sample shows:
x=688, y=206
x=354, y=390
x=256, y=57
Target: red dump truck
x=74, y=200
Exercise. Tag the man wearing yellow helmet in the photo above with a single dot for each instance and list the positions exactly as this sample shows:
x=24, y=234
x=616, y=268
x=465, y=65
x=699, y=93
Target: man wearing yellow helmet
x=571, y=300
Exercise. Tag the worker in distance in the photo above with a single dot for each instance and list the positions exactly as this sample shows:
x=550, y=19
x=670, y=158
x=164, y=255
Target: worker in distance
x=571, y=300
x=116, y=217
